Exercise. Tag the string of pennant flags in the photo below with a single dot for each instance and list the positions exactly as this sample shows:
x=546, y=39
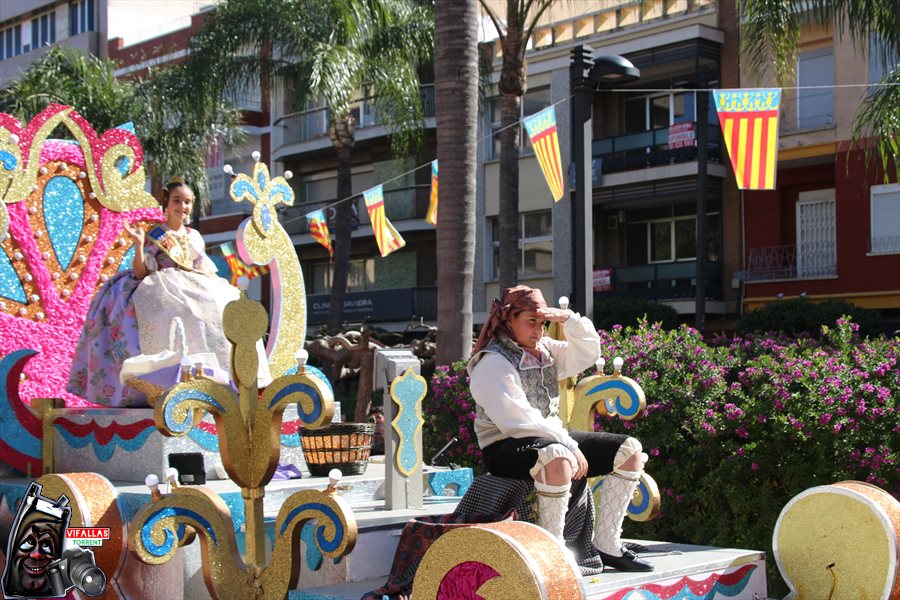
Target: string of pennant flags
x=748, y=119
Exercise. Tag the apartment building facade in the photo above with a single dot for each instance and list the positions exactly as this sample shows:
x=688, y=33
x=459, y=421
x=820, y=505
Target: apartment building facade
x=646, y=165
x=831, y=228
x=29, y=27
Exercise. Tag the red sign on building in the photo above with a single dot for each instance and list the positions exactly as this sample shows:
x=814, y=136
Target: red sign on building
x=681, y=135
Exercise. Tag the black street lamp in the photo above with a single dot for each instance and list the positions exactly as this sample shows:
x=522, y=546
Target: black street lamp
x=587, y=75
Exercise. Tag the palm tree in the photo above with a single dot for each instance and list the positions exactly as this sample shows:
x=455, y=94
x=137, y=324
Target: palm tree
x=521, y=18
x=324, y=51
x=456, y=98
x=770, y=37
x=170, y=122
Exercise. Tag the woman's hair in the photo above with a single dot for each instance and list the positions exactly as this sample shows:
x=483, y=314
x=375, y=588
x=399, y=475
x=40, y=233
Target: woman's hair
x=172, y=184
x=515, y=300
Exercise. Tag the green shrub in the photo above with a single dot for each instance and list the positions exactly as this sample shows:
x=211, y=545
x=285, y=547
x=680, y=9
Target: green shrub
x=628, y=311
x=802, y=316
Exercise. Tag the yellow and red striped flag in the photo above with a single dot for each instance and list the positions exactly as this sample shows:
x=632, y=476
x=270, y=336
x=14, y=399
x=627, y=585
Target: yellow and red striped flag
x=318, y=228
x=238, y=267
x=431, y=215
x=749, y=122
x=387, y=237
x=541, y=129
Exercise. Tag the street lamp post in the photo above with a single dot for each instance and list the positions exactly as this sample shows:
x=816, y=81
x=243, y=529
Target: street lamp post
x=586, y=75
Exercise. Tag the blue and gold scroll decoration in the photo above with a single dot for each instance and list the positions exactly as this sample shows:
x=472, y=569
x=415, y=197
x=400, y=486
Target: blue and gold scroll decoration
x=749, y=122
x=615, y=395
x=541, y=129
x=407, y=392
x=249, y=426
x=644, y=505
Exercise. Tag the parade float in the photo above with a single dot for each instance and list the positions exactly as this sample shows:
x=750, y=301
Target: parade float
x=240, y=534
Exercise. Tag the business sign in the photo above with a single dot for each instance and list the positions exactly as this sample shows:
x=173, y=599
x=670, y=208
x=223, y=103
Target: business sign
x=602, y=280
x=681, y=135
x=380, y=305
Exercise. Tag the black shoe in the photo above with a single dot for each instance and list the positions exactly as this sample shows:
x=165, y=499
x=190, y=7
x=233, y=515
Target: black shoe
x=629, y=561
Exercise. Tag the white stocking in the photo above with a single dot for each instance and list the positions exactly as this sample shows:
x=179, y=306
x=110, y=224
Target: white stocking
x=615, y=496
x=553, y=503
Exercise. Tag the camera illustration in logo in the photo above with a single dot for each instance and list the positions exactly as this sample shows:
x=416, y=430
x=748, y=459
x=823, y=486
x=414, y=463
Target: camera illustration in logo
x=39, y=561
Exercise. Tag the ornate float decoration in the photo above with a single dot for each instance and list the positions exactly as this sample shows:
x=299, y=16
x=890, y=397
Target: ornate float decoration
x=840, y=541
x=615, y=395
x=63, y=204
x=494, y=561
x=261, y=240
x=249, y=426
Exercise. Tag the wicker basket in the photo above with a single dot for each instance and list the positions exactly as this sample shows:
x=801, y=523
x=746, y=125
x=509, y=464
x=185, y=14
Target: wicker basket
x=343, y=446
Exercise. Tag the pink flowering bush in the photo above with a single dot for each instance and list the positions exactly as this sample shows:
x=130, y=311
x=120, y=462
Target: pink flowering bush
x=450, y=412
x=734, y=428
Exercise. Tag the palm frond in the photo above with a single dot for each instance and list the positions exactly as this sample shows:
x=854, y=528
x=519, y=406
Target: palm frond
x=878, y=118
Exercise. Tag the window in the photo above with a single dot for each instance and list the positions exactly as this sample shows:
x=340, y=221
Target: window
x=535, y=244
x=533, y=102
x=43, y=30
x=879, y=61
x=885, y=202
x=645, y=113
x=816, y=249
x=815, y=107
x=361, y=276
x=669, y=239
x=81, y=16
x=11, y=42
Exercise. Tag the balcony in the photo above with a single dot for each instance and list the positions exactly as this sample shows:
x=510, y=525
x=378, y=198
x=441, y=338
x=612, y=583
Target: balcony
x=664, y=281
x=313, y=123
x=371, y=306
x=805, y=261
x=651, y=148
x=402, y=204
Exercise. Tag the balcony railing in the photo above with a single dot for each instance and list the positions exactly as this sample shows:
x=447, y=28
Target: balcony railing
x=313, y=123
x=665, y=281
x=884, y=243
x=402, y=204
x=782, y=262
x=644, y=149
x=401, y=304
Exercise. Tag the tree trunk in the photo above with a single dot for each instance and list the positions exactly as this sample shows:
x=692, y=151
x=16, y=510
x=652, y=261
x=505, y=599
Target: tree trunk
x=456, y=86
x=512, y=88
x=342, y=139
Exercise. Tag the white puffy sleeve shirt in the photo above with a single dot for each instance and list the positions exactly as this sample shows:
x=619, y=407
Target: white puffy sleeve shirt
x=497, y=387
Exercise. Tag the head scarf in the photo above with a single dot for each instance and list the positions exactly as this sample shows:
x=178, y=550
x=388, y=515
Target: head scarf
x=514, y=300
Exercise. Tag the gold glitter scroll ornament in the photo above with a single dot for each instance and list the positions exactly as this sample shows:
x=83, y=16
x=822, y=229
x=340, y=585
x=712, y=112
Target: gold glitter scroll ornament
x=93, y=501
x=840, y=541
x=261, y=240
x=497, y=561
x=249, y=426
x=620, y=396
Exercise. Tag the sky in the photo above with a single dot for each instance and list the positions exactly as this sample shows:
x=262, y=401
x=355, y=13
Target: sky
x=139, y=20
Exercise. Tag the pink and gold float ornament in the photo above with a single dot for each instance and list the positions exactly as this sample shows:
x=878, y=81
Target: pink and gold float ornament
x=495, y=561
x=840, y=541
x=62, y=209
